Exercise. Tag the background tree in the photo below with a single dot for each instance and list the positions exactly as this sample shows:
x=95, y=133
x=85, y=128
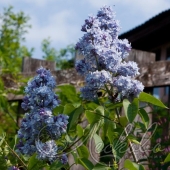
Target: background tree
x=13, y=27
x=12, y=30
x=64, y=57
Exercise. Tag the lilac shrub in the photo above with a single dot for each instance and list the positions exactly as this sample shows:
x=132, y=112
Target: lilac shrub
x=40, y=123
x=104, y=66
x=111, y=128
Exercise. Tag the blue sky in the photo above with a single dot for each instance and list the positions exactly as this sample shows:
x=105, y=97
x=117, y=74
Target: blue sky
x=61, y=20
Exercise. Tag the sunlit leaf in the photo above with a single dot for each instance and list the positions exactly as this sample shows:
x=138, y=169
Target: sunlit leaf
x=145, y=97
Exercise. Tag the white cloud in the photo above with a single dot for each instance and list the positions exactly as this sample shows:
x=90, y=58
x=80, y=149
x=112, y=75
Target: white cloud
x=5, y=2
x=58, y=28
x=39, y=3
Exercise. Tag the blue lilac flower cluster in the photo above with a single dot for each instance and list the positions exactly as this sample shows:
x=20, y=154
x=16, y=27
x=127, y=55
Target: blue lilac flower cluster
x=103, y=65
x=13, y=168
x=40, y=123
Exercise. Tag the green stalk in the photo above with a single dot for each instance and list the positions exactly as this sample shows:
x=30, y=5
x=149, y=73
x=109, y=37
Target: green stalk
x=130, y=143
x=16, y=155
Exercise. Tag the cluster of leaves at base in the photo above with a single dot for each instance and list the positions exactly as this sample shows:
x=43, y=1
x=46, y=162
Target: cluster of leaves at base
x=103, y=119
x=102, y=125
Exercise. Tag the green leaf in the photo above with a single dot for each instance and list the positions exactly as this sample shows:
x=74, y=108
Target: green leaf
x=96, y=115
x=94, y=128
x=123, y=121
x=57, y=165
x=98, y=143
x=92, y=117
x=68, y=108
x=105, y=128
x=69, y=139
x=100, y=166
x=13, y=142
x=79, y=131
x=141, y=126
x=87, y=129
x=144, y=116
x=119, y=148
x=144, y=97
x=58, y=109
x=83, y=151
x=86, y=163
x=2, y=138
x=111, y=131
x=133, y=139
x=126, y=104
x=70, y=92
x=33, y=163
x=167, y=159
x=100, y=110
x=112, y=106
x=73, y=117
x=76, y=105
x=131, y=109
x=87, y=133
x=91, y=106
x=75, y=156
x=6, y=150
x=132, y=166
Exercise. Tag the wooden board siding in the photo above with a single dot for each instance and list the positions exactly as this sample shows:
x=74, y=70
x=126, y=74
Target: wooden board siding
x=141, y=57
x=155, y=74
x=32, y=64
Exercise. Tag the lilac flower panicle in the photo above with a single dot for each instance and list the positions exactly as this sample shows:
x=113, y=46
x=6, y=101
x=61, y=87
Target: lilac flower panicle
x=58, y=127
x=127, y=86
x=83, y=67
x=124, y=47
x=64, y=159
x=47, y=150
x=88, y=93
x=40, y=99
x=137, y=88
x=104, y=53
x=128, y=69
x=106, y=12
x=91, y=21
x=39, y=91
x=98, y=79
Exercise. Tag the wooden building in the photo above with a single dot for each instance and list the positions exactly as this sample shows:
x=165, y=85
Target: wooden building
x=153, y=36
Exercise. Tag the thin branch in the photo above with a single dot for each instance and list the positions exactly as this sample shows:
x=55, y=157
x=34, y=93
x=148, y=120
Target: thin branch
x=16, y=155
x=88, y=134
x=71, y=166
x=130, y=143
x=12, y=117
x=105, y=117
